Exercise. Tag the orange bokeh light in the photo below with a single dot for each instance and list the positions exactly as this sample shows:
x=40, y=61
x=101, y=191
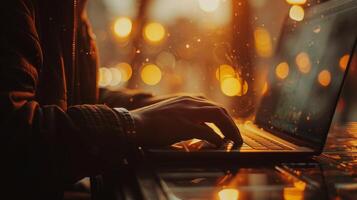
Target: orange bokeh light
x=154, y=32
x=296, y=2
x=324, y=78
x=303, y=62
x=231, y=86
x=151, y=74
x=344, y=62
x=293, y=193
x=296, y=192
x=263, y=44
x=282, y=70
x=228, y=194
x=265, y=88
x=225, y=71
x=126, y=71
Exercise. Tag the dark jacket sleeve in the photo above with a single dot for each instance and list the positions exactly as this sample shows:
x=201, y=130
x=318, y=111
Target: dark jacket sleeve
x=44, y=147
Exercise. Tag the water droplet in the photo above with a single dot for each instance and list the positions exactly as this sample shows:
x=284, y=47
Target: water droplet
x=317, y=29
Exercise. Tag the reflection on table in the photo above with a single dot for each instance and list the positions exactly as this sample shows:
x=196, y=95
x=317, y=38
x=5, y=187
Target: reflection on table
x=331, y=175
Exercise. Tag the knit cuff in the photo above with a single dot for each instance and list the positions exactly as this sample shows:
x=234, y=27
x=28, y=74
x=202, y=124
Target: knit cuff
x=128, y=121
x=103, y=129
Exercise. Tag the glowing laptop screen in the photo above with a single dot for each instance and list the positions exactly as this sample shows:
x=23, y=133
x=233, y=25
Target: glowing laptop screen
x=308, y=70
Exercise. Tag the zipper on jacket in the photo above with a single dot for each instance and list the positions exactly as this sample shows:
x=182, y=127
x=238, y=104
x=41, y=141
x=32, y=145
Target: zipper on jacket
x=74, y=85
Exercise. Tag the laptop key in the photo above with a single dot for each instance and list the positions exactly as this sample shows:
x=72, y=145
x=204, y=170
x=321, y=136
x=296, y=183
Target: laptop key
x=252, y=143
x=245, y=147
x=265, y=142
x=270, y=145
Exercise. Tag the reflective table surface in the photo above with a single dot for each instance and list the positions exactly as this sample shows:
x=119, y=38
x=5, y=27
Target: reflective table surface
x=332, y=175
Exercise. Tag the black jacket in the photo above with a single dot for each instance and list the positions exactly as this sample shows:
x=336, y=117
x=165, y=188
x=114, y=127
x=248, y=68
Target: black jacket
x=51, y=133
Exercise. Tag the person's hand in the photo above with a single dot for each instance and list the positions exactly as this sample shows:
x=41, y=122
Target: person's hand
x=133, y=99
x=149, y=100
x=127, y=98
x=183, y=118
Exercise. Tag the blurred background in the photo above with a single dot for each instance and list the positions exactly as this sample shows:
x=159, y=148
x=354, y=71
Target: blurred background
x=220, y=48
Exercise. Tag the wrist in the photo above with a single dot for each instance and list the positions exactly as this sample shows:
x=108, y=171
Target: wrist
x=138, y=126
x=128, y=122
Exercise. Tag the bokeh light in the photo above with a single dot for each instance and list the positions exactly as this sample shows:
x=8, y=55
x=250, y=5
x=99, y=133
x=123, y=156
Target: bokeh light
x=344, y=62
x=263, y=43
x=105, y=77
x=228, y=194
x=154, y=32
x=224, y=71
x=296, y=2
x=324, y=78
x=282, y=70
x=296, y=192
x=300, y=185
x=116, y=76
x=231, y=86
x=244, y=89
x=123, y=27
x=317, y=29
x=296, y=13
x=303, y=62
x=265, y=88
x=126, y=71
x=292, y=193
x=209, y=5
x=151, y=74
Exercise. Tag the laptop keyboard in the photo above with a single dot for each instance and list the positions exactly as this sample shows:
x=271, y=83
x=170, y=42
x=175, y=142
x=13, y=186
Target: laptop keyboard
x=255, y=141
x=250, y=141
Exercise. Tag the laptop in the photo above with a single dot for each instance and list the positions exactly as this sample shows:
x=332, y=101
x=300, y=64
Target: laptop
x=304, y=83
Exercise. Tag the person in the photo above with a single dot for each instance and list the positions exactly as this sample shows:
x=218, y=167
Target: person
x=55, y=126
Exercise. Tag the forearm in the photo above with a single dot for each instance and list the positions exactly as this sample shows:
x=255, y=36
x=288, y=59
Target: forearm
x=47, y=147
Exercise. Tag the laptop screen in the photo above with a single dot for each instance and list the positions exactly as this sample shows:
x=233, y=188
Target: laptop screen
x=308, y=71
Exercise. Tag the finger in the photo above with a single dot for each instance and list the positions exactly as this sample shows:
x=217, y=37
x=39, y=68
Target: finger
x=200, y=96
x=203, y=101
x=191, y=100
x=196, y=101
x=203, y=132
x=162, y=98
x=220, y=118
x=193, y=95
